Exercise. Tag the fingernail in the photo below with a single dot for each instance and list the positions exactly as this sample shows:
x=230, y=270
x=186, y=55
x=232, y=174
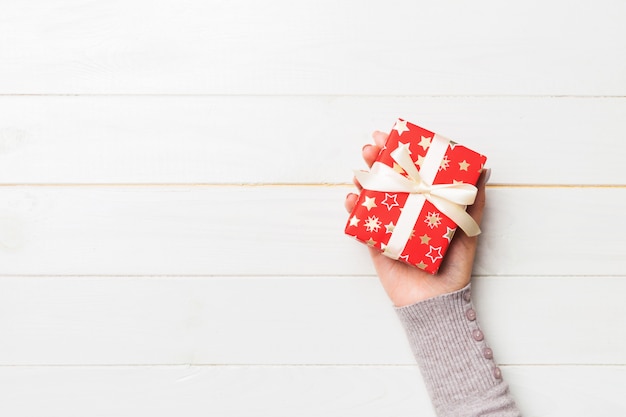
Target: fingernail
x=365, y=146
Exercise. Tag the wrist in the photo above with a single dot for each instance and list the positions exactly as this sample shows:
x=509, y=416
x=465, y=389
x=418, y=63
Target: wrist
x=402, y=297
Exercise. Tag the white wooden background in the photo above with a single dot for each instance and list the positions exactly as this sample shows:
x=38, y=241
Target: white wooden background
x=171, y=201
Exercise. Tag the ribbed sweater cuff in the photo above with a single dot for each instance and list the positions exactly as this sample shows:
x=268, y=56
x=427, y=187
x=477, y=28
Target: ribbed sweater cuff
x=453, y=356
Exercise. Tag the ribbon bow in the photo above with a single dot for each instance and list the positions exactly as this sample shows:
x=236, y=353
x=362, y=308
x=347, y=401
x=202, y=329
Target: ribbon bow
x=450, y=199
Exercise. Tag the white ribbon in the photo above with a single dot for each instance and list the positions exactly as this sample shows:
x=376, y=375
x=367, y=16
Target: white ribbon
x=450, y=199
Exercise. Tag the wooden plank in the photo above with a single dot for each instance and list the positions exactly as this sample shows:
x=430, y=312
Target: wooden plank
x=86, y=230
x=313, y=47
x=288, y=391
x=264, y=139
x=292, y=320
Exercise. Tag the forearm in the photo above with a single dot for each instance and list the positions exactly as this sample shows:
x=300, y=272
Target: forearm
x=454, y=358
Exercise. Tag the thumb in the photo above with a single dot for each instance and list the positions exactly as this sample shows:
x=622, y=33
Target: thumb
x=476, y=209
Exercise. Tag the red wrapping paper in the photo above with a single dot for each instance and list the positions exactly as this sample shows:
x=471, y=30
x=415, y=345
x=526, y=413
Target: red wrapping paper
x=376, y=213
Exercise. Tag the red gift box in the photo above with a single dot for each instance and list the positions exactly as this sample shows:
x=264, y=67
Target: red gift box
x=415, y=195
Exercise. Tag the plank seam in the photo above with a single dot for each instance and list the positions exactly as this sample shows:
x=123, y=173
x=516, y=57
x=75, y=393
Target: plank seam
x=243, y=95
x=286, y=184
x=305, y=276
x=323, y=365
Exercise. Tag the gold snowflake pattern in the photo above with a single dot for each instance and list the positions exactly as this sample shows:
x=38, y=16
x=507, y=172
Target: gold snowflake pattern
x=372, y=224
x=445, y=163
x=432, y=220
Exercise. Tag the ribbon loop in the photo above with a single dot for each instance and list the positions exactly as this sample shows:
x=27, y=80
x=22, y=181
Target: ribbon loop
x=450, y=199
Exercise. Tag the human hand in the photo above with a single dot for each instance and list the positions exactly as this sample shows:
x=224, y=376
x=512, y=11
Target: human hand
x=406, y=284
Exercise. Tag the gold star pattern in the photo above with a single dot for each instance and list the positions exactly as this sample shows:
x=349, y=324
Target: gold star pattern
x=369, y=202
x=420, y=160
x=412, y=234
x=372, y=224
x=449, y=234
x=454, y=182
x=425, y=142
x=463, y=165
x=371, y=242
x=421, y=265
x=404, y=258
x=390, y=227
x=400, y=127
x=433, y=220
x=354, y=221
x=424, y=239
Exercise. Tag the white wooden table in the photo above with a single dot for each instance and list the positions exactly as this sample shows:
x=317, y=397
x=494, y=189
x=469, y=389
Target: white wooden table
x=172, y=176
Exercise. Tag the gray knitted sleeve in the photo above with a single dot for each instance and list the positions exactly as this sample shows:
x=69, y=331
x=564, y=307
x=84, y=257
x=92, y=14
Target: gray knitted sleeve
x=455, y=361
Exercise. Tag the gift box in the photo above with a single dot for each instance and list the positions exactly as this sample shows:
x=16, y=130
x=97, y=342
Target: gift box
x=415, y=195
